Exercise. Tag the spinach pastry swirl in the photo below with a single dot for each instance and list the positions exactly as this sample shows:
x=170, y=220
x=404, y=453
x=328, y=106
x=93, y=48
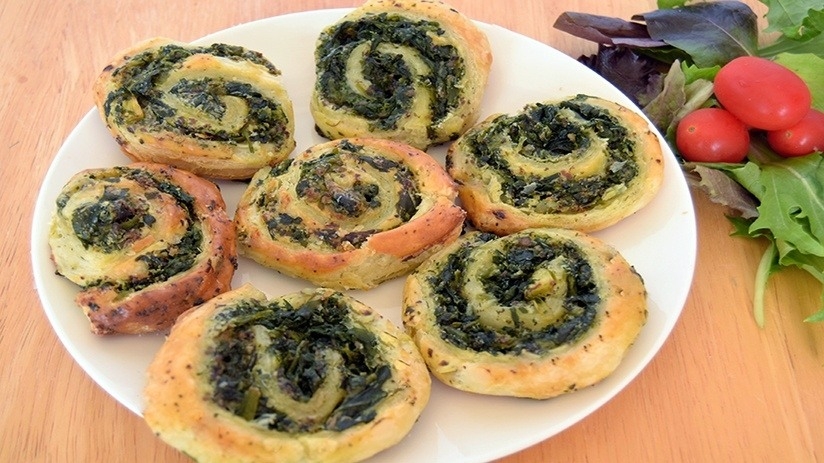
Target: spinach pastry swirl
x=217, y=111
x=535, y=314
x=145, y=242
x=408, y=70
x=312, y=376
x=349, y=213
x=582, y=163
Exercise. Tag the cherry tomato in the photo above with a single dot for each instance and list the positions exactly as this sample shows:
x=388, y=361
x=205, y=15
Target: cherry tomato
x=761, y=93
x=802, y=138
x=712, y=135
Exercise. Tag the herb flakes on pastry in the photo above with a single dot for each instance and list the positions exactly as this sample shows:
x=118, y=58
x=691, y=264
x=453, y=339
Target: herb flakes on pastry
x=312, y=376
x=582, y=163
x=218, y=111
x=349, y=214
x=145, y=242
x=535, y=314
x=413, y=71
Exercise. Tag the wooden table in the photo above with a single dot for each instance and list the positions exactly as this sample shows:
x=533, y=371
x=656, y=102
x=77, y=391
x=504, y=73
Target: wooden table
x=720, y=388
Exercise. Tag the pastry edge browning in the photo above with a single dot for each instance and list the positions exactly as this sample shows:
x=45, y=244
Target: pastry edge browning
x=566, y=368
x=402, y=248
x=491, y=215
x=157, y=306
x=334, y=123
x=177, y=411
x=204, y=159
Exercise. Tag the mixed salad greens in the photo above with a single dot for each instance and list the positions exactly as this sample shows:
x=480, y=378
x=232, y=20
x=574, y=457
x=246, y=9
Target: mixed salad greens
x=665, y=61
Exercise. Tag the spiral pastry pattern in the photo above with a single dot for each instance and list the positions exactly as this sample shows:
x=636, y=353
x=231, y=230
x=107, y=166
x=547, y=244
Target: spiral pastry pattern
x=349, y=213
x=583, y=163
x=145, y=242
x=309, y=376
x=217, y=111
x=408, y=70
x=534, y=314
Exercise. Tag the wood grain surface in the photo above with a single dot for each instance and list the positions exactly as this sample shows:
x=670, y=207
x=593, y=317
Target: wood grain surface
x=721, y=389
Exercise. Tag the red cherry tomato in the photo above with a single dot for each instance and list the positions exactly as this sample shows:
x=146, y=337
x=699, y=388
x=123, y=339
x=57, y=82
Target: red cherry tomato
x=761, y=93
x=802, y=138
x=712, y=135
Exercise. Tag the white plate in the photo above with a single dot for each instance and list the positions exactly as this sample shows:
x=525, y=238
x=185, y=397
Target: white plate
x=659, y=241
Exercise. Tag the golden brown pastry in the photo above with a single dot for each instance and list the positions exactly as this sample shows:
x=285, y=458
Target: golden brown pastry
x=582, y=163
x=145, y=242
x=349, y=213
x=217, y=111
x=408, y=70
x=313, y=376
x=534, y=314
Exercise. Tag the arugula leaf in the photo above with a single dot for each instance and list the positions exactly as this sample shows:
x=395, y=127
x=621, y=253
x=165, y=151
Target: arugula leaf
x=814, y=46
x=790, y=193
x=792, y=202
x=766, y=267
x=795, y=19
x=711, y=33
x=812, y=265
x=800, y=22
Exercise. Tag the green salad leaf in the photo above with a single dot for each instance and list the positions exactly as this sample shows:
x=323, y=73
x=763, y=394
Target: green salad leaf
x=686, y=88
x=800, y=22
x=666, y=61
x=790, y=215
x=664, y=4
x=810, y=68
x=795, y=19
x=814, y=46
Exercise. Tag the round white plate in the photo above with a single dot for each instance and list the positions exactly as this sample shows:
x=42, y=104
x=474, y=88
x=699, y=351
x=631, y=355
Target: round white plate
x=660, y=241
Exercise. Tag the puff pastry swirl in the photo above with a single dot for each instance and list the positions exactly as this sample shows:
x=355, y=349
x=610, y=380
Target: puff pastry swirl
x=313, y=376
x=145, y=242
x=217, y=111
x=349, y=213
x=409, y=70
x=582, y=163
x=534, y=314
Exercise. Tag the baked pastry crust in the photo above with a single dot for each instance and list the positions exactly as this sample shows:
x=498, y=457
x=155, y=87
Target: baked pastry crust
x=581, y=163
x=535, y=314
x=215, y=389
x=413, y=71
x=349, y=214
x=218, y=111
x=145, y=242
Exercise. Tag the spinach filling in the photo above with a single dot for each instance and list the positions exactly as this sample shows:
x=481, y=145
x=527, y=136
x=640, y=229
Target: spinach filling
x=112, y=222
x=392, y=81
x=546, y=134
x=327, y=183
x=139, y=102
x=271, y=353
x=508, y=285
x=119, y=217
